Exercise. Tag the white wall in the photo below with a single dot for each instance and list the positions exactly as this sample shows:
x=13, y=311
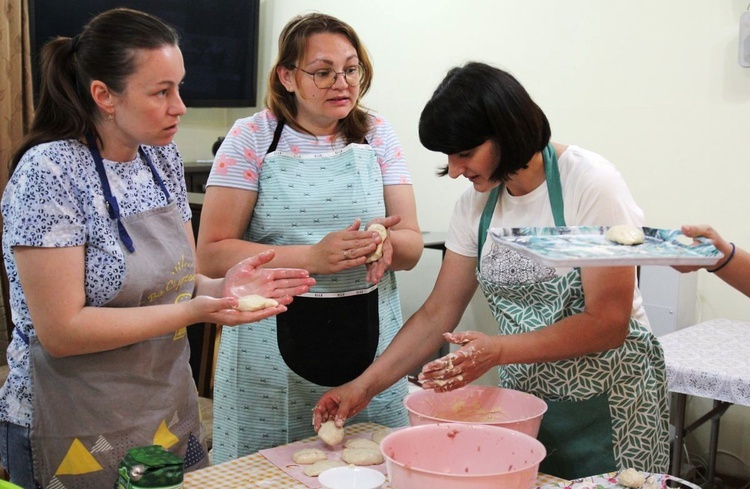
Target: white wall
x=653, y=86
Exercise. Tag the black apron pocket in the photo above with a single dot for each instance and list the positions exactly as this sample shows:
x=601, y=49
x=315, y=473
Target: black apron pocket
x=578, y=438
x=329, y=341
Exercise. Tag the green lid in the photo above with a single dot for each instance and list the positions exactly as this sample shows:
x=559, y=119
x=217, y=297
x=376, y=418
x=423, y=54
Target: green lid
x=8, y=485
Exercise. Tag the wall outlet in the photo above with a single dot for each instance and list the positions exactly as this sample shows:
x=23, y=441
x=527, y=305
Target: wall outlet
x=744, y=47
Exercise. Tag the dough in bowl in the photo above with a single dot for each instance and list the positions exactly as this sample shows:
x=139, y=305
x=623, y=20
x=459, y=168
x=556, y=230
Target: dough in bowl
x=625, y=234
x=254, y=302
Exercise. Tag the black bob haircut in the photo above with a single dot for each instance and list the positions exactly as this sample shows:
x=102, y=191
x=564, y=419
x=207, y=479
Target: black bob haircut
x=478, y=102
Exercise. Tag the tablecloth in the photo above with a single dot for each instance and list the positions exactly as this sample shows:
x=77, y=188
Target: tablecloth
x=711, y=360
x=255, y=471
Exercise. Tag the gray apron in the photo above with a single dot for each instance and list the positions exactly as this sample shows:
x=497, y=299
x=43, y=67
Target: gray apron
x=607, y=410
x=90, y=409
x=270, y=374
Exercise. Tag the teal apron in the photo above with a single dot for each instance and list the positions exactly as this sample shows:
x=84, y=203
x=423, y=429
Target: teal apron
x=607, y=410
x=271, y=374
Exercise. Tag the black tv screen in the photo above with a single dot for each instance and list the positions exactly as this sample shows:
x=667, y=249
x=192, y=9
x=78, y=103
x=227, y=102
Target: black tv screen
x=219, y=41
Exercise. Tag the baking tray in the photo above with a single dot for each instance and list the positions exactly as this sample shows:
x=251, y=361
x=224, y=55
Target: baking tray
x=577, y=246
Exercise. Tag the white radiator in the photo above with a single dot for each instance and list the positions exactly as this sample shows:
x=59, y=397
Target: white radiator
x=669, y=297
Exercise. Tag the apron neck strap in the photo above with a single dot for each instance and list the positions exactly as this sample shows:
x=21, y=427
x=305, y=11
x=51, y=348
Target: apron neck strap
x=112, y=206
x=554, y=189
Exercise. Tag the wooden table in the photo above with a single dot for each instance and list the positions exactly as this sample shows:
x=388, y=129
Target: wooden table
x=255, y=471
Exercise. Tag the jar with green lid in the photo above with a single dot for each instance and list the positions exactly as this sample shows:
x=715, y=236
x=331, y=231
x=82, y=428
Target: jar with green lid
x=150, y=467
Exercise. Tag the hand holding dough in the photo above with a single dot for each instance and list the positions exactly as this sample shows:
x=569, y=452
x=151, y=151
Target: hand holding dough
x=330, y=434
x=375, y=255
x=254, y=302
x=625, y=234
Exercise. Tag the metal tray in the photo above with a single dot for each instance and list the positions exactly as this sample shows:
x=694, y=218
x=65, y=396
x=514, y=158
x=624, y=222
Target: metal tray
x=578, y=246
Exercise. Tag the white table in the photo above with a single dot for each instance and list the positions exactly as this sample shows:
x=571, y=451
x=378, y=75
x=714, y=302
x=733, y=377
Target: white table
x=711, y=360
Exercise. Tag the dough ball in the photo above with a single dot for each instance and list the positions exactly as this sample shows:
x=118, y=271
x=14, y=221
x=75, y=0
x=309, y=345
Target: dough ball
x=375, y=255
x=308, y=456
x=625, y=234
x=254, y=302
x=378, y=436
x=361, y=443
x=320, y=466
x=631, y=478
x=330, y=434
x=362, y=456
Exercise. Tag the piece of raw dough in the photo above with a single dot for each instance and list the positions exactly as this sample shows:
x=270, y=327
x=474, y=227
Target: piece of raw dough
x=318, y=467
x=625, y=234
x=255, y=302
x=330, y=434
x=361, y=443
x=362, y=456
x=631, y=478
x=378, y=436
x=308, y=456
x=375, y=255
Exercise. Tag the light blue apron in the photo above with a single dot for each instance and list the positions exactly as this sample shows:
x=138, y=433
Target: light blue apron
x=261, y=400
x=607, y=410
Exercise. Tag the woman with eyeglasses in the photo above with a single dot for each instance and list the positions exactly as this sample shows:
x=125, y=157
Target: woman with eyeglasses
x=307, y=177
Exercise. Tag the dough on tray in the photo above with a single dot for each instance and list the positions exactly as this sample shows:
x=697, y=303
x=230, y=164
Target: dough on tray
x=631, y=478
x=375, y=255
x=378, y=436
x=625, y=234
x=254, y=302
x=318, y=467
x=362, y=456
x=308, y=456
x=361, y=443
x=330, y=434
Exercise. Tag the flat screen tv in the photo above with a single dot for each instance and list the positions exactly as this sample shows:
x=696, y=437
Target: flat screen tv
x=219, y=41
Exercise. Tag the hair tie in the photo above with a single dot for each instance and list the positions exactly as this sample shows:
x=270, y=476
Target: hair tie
x=74, y=43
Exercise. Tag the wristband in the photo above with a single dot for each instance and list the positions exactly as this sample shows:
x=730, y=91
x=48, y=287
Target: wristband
x=731, y=255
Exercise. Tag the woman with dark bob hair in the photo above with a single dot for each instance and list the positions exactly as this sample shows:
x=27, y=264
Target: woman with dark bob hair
x=576, y=337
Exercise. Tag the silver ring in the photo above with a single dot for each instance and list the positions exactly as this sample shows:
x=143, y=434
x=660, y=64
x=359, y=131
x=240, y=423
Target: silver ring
x=346, y=254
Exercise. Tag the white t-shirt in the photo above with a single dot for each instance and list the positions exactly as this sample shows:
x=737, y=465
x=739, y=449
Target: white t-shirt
x=594, y=194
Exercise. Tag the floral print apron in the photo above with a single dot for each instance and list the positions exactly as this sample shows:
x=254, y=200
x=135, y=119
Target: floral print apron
x=607, y=410
x=271, y=374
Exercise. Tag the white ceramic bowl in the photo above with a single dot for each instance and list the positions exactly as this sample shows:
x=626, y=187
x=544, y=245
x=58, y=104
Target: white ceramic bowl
x=351, y=477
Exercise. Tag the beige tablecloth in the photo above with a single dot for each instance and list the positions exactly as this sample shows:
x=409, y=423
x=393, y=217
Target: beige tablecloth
x=255, y=471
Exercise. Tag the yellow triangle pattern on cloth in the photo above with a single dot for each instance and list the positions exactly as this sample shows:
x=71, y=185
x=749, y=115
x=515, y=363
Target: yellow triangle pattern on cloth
x=164, y=437
x=78, y=461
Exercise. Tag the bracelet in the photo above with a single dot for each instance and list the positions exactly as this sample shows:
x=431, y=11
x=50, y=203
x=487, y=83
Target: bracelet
x=731, y=255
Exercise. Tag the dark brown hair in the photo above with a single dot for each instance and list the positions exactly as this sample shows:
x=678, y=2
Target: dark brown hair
x=105, y=50
x=477, y=102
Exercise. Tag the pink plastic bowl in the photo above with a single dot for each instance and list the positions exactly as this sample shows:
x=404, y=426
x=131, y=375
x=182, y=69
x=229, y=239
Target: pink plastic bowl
x=461, y=456
x=474, y=404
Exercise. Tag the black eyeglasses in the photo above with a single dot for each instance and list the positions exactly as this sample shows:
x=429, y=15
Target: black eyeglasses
x=326, y=78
